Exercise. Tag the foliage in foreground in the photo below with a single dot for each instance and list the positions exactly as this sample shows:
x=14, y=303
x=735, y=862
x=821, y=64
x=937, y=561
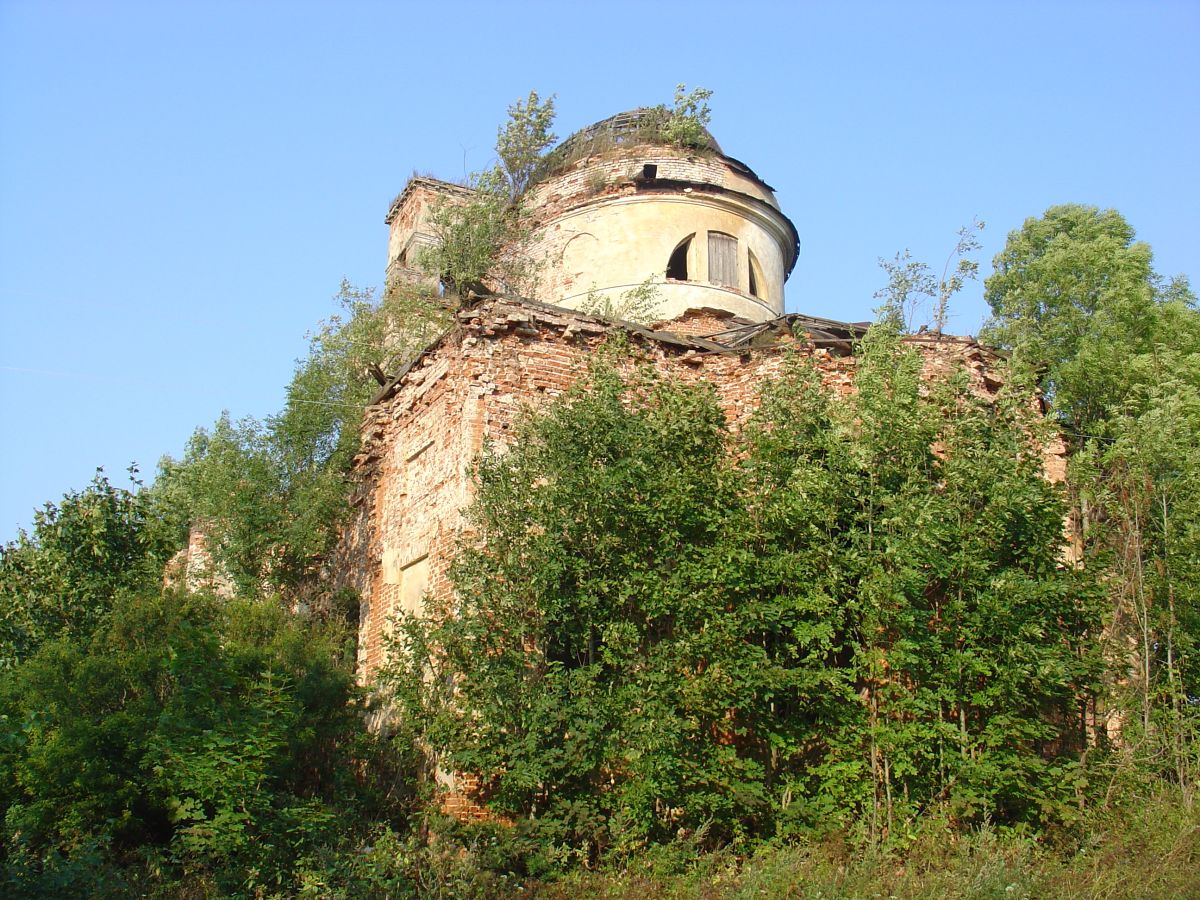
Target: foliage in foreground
x=151, y=740
x=662, y=631
x=188, y=738
x=1150, y=850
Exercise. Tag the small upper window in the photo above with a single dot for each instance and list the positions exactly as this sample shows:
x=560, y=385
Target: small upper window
x=677, y=265
x=722, y=259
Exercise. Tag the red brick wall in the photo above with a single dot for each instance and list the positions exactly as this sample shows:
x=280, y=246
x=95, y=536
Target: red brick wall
x=508, y=355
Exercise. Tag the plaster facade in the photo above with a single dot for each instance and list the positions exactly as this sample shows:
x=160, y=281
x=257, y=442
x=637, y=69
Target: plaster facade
x=612, y=222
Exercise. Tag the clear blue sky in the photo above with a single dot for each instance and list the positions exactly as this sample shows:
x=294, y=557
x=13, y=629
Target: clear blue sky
x=184, y=185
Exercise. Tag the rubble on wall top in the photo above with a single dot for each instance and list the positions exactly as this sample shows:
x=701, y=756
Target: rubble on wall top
x=499, y=313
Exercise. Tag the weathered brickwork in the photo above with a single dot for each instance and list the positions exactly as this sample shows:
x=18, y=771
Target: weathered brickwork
x=504, y=356
x=194, y=569
x=618, y=173
x=707, y=323
x=409, y=227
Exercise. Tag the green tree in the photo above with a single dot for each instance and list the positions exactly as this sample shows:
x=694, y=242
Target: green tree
x=272, y=495
x=966, y=640
x=84, y=552
x=523, y=140
x=217, y=740
x=480, y=241
x=594, y=653
x=1137, y=495
x=1075, y=296
x=470, y=235
x=1117, y=349
x=149, y=737
x=912, y=284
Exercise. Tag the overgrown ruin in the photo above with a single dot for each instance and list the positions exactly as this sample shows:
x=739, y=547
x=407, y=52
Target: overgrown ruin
x=617, y=209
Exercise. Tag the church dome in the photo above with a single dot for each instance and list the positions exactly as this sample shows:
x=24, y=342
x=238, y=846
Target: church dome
x=635, y=127
x=619, y=207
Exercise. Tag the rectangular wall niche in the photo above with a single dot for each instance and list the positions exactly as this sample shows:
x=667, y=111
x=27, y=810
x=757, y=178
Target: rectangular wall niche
x=412, y=578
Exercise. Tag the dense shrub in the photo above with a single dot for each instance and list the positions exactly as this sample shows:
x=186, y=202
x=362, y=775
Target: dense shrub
x=191, y=737
x=662, y=630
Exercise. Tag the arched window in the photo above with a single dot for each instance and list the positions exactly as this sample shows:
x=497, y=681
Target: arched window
x=677, y=265
x=722, y=259
x=757, y=285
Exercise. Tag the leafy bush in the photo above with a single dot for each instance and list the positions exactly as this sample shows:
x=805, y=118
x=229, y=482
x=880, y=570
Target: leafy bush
x=480, y=242
x=684, y=124
x=222, y=739
x=91, y=547
x=640, y=304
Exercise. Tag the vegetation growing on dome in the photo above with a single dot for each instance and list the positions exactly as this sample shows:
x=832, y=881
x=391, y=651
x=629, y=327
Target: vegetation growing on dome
x=683, y=124
x=522, y=142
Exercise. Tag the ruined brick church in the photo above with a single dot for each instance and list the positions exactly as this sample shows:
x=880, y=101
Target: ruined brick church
x=618, y=208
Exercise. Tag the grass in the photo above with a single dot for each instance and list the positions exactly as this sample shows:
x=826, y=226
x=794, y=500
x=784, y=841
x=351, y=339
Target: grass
x=1149, y=850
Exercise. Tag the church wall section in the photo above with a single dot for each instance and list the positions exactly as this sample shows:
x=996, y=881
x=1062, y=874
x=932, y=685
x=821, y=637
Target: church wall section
x=506, y=355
